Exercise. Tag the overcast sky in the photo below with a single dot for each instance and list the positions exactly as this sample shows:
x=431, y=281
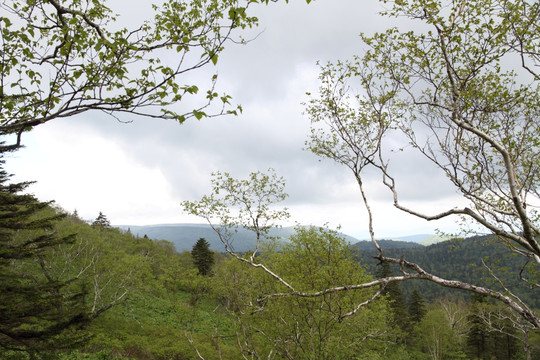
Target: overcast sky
x=138, y=173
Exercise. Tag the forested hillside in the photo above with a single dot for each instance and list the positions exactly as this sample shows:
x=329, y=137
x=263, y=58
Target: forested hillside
x=469, y=260
x=137, y=295
x=143, y=300
x=386, y=244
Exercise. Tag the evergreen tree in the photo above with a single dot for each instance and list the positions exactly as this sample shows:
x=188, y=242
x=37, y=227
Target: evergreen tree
x=505, y=345
x=417, y=307
x=477, y=337
x=394, y=294
x=203, y=257
x=101, y=221
x=34, y=309
x=491, y=337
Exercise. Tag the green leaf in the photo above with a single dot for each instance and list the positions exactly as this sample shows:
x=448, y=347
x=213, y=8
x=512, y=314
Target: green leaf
x=198, y=114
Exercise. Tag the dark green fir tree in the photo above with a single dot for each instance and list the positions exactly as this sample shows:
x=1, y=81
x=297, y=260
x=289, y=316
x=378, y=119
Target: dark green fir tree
x=203, y=257
x=494, y=340
x=417, y=306
x=36, y=314
x=395, y=296
x=101, y=222
x=478, y=335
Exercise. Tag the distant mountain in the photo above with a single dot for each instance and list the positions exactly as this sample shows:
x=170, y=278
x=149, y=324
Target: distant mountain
x=366, y=245
x=434, y=239
x=423, y=239
x=413, y=238
x=184, y=236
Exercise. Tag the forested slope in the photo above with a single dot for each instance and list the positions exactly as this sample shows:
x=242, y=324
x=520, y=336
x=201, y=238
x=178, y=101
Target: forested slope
x=466, y=260
x=147, y=301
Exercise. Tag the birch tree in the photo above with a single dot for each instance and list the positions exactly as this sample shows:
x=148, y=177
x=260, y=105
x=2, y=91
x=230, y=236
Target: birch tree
x=301, y=281
x=249, y=203
x=294, y=327
x=463, y=91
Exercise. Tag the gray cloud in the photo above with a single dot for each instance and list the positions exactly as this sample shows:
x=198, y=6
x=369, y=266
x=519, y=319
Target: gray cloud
x=269, y=77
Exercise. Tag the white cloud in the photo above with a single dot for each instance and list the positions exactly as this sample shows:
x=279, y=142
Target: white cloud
x=139, y=173
x=90, y=173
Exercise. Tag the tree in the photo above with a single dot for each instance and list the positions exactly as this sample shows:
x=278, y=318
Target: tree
x=246, y=203
x=417, y=306
x=457, y=312
x=203, y=257
x=36, y=313
x=294, y=327
x=492, y=336
x=61, y=59
x=393, y=293
x=504, y=329
x=434, y=336
x=448, y=90
x=285, y=278
x=478, y=333
x=101, y=221
x=108, y=264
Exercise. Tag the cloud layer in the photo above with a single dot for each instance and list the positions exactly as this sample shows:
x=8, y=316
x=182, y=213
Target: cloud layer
x=138, y=173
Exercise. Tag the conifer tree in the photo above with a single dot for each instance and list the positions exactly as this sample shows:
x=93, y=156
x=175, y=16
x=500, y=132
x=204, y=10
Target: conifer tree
x=203, y=257
x=394, y=294
x=101, y=221
x=417, y=308
x=34, y=309
x=477, y=337
x=491, y=333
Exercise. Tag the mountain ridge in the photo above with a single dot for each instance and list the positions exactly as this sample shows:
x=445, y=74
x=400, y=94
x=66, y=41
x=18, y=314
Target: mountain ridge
x=185, y=235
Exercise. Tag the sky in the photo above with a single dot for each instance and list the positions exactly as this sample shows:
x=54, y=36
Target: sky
x=139, y=173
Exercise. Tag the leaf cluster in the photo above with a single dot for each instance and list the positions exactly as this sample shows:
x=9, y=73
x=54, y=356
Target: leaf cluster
x=60, y=59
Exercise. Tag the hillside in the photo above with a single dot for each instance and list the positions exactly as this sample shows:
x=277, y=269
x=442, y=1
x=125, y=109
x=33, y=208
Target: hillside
x=169, y=306
x=366, y=245
x=422, y=239
x=451, y=259
x=184, y=236
x=460, y=260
